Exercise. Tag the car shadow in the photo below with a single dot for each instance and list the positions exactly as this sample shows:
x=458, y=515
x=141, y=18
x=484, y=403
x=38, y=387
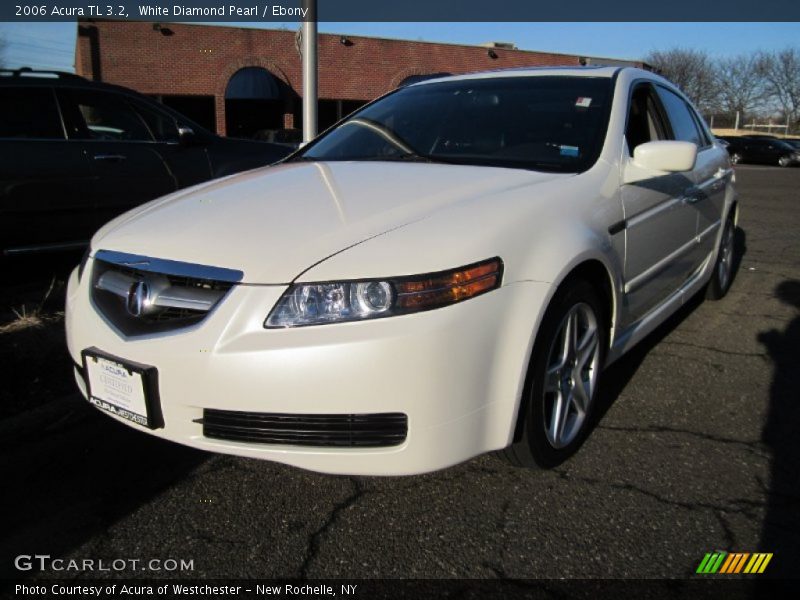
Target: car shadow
x=66, y=486
x=781, y=525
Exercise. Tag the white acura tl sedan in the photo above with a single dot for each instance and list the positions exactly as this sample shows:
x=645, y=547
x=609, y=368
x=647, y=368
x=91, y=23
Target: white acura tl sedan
x=444, y=273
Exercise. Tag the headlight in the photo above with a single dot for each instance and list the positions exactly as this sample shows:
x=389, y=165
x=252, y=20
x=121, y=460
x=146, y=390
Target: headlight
x=334, y=302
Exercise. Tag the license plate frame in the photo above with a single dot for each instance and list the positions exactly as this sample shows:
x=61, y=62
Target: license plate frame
x=118, y=392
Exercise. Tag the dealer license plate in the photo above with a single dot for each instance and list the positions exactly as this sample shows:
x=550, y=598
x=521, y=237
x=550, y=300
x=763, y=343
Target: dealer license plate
x=123, y=388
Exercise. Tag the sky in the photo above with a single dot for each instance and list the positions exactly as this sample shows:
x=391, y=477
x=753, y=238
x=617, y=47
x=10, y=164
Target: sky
x=51, y=45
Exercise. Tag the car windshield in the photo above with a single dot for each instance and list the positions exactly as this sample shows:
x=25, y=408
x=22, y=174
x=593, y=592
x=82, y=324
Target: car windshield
x=551, y=123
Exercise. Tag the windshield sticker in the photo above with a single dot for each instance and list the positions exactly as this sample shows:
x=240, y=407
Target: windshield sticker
x=569, y=150
x=583, y=102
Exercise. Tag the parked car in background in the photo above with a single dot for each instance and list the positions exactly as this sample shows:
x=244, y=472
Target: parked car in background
x=285, y=137
x=761, y=136
x=793, y=142
x=446, y=272
x=77, y=153
x=763, y=150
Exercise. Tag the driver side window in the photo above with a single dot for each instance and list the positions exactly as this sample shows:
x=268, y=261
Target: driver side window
x=644, y=119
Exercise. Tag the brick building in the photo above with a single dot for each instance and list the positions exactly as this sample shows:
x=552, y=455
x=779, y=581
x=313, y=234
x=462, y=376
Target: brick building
x=238, y=81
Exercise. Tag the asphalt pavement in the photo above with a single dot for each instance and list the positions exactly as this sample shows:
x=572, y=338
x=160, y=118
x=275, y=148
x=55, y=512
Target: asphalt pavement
x=697, y=450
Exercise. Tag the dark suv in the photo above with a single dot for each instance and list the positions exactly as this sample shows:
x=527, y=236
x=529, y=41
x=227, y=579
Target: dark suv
x=762, y=149
x=77, y=153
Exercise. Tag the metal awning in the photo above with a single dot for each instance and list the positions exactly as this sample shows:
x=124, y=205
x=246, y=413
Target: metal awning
x=253, y=83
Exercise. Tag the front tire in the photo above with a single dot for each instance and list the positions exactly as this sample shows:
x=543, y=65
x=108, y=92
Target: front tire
x=722, y=278
x=784, y=161
x=563, y=377
x=736, y=158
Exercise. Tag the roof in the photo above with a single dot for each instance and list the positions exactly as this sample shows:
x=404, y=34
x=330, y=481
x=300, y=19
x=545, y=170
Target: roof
x=32, y=77
x=565, y=71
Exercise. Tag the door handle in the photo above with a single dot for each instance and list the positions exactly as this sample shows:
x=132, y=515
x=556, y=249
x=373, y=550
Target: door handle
x=691, y=199
x=115, y=157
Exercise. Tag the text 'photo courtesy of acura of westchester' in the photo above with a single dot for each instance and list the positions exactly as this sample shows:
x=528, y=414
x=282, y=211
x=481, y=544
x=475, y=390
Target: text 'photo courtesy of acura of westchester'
x=447, y=272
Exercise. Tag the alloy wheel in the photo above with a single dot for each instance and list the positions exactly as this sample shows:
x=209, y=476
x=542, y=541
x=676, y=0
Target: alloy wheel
x=571, y=375
x=725, y=264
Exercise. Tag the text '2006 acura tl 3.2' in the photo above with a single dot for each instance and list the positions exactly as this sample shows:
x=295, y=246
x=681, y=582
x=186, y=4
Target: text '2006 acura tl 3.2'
x=446, y=272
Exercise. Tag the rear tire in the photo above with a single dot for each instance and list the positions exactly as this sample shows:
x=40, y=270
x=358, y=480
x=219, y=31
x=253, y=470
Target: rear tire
x=784, y=161
x=722, y=277
x=563, y=378
x=736, y=158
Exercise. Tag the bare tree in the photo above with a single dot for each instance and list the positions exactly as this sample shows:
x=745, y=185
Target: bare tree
x=781, y=73
x=739, y=84
x=691, y=70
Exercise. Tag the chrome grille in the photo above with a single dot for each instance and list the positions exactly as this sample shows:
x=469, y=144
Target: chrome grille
x=140, y=295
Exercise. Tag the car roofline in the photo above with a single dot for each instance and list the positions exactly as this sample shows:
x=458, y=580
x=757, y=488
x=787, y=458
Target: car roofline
x=563, y=71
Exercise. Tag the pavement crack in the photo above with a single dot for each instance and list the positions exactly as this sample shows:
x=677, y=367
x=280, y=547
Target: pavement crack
x=716, y=366
x=730, y=537
x=315, y=539
x=762, y=355
x=741, y=506
x=502, y=523
x=755, y=446
x=748, y=315
x=213, y=539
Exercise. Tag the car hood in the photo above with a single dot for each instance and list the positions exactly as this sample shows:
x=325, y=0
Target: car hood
x=273, y=223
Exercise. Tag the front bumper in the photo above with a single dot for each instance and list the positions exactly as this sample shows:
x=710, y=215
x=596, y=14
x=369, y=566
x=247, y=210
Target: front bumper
x=456, y=372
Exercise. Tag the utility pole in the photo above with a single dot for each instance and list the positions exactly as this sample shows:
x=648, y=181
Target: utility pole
x=309, y=70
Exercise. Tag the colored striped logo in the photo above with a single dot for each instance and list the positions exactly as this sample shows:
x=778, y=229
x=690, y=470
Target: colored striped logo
x=729, y=563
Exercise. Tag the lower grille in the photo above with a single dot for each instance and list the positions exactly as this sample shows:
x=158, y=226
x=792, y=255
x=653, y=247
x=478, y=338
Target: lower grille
x=344, y=430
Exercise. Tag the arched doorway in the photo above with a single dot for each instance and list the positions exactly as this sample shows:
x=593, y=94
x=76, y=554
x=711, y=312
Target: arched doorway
x=254, y=103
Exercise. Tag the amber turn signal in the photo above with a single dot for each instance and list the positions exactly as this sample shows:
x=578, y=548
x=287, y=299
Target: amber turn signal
x=448, y=287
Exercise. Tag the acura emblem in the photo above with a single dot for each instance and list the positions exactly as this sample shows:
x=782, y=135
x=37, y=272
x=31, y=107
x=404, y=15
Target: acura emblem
x=138, y=300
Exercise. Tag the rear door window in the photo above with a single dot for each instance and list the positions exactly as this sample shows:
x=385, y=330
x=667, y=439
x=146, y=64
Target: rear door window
x=103, y=116
x=29, y=113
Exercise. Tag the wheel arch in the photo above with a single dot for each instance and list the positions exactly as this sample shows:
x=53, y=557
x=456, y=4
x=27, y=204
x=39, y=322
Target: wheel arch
x=598, y=274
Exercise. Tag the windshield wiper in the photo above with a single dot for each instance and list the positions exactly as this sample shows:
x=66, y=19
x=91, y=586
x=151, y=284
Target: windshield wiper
x=405, y=157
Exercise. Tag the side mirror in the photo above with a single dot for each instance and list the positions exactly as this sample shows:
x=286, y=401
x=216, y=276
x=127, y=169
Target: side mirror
x=654, y=159
x=186, y=135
